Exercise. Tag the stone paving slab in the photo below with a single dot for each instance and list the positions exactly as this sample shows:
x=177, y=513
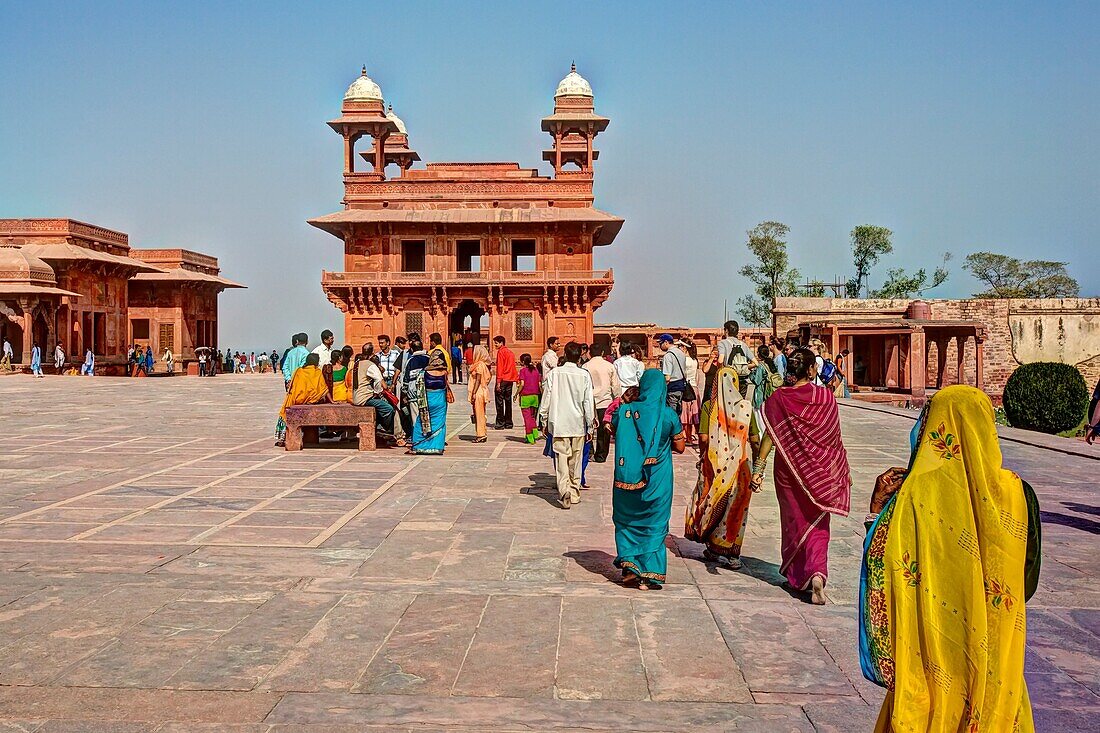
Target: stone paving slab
x=156, y=575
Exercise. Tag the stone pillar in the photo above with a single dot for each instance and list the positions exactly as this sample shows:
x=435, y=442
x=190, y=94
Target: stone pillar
x=349, y=153
x=960, y=375
x=918, y=366
x=979, y=364
x=380, y=154
x=28, y=329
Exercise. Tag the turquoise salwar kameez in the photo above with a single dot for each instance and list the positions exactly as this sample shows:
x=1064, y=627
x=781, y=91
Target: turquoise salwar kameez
x=642, y=500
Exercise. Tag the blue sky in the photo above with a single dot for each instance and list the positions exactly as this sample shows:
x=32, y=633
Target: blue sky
x=201, y=125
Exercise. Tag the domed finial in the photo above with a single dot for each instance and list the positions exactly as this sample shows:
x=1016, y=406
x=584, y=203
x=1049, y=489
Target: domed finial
x=573, y=67
x=364, y=70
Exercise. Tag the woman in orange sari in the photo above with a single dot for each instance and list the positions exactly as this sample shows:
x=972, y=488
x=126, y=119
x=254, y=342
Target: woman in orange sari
x=307, y=387
x=719, y=508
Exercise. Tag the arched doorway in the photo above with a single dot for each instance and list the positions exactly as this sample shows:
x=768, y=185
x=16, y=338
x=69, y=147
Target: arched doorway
x=40, y=332
x=468, y=320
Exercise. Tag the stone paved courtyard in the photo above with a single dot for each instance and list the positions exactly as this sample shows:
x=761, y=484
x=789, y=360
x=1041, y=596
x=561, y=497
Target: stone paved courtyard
x=164, y=568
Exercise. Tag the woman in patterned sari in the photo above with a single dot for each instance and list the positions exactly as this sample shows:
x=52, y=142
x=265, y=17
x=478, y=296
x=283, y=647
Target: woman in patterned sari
x=812, y=479
x=719, y=508
x=647, y=432
x=433, y=394
x=951, y=557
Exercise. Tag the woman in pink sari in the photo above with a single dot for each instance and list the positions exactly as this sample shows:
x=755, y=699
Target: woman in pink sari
x=812, y=479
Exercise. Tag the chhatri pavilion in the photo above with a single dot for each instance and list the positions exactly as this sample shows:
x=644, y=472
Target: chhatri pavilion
x=456, y=248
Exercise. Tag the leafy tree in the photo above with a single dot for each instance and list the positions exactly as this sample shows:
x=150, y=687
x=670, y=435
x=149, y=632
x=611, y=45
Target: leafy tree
x=1008, y=277
x=773, y=276
x=869, y=242
x=753, y=311
x=900, y=284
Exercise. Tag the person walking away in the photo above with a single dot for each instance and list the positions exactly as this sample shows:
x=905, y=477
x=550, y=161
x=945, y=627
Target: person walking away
x=307, y=387
x=530, y=387
x=568, y=414
x=765, y=380
x=58, y=358
x=169, y=360
x=456, y=363
x=479, y=390
x=468, y=357
x=674, y=367
x=429, y=436
x=719, y=508
x=733, y=352
x=368, y=389
x=780, y=356
x=689, y=411
x=605, y=389
x=507, y=376
x=149, y=360
x=88, y=368
x=252, y=363
x=628, y=367
x=812, y=478
x=647, y=432
x=550, y=357
x=951, y=557
x=36, y=361
x=295, y=357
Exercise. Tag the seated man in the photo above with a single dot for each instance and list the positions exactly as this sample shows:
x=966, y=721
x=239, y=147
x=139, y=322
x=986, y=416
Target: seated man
x=307, y=387
x=368, y=387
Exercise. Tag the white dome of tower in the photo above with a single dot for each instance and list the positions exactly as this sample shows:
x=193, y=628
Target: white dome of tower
x=397, y=121
x=363, y=89
x=573, y=85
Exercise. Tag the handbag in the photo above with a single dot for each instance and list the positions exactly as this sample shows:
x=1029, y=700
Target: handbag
x=689, y=389
x=390, y=397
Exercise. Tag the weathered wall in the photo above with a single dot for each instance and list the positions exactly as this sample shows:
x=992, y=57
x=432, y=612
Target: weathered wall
x=1016, y=331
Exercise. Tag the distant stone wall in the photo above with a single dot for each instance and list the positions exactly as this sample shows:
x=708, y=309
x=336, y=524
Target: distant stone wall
x=1016, y=331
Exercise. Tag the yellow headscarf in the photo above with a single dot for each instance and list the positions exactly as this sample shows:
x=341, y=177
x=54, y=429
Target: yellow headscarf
x=943, y=618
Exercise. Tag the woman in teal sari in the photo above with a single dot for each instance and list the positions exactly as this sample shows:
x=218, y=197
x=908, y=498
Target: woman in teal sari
x=647, y=431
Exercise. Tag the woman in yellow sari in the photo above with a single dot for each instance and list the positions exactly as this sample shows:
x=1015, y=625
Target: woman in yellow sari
x=479, y=389
x=307, y=387
x=947, y=565
x=719, y=507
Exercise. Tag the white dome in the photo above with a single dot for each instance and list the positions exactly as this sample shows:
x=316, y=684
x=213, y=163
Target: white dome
x=397, y=121
x=573, y=85
x=363, y=89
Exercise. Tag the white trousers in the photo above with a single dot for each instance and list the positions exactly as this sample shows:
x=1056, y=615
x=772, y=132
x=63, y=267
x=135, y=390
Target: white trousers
x=570, y=452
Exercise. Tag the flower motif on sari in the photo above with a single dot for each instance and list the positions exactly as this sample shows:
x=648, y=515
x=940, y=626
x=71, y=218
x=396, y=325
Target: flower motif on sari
x=973, y=718
x=997, y=592
x=910, y=570
x=944, y=443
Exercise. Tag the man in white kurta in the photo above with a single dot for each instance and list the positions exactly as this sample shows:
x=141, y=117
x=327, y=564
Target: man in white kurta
x=568, y=412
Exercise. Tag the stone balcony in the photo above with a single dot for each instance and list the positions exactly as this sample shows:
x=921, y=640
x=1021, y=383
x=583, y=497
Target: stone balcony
x=458, y=279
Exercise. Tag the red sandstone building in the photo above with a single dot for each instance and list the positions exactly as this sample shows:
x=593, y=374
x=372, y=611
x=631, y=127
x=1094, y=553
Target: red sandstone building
x=454, y=246
x=80, y=285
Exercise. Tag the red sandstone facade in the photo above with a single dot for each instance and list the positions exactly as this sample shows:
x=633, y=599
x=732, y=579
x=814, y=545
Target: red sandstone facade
x=461, y=247
x=68, y=282
x=909, y=347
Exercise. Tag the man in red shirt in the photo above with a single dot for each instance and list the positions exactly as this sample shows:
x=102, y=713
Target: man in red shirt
x=507, y=376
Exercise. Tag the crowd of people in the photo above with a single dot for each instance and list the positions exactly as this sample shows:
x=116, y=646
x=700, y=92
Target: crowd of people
x=933, y=594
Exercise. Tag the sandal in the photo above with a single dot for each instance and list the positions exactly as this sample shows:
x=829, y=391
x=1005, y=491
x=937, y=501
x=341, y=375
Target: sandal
x=480, y=440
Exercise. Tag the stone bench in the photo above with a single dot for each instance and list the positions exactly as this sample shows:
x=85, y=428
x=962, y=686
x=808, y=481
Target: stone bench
x=303, y=421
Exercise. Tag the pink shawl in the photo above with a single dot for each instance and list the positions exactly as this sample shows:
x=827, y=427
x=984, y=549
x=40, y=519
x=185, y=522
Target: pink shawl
x=804, y=424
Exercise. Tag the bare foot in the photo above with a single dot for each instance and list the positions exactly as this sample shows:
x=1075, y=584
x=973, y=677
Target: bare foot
x=817, y=591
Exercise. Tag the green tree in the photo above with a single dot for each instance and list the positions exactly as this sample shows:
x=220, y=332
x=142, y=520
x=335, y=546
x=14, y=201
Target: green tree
x=753, y=311
x=772, y=276
x=869, y=243
x=900, y=284
x=1008, y=277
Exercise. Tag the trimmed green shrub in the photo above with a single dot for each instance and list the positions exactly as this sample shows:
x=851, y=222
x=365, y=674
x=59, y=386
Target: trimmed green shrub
x=1046, y=396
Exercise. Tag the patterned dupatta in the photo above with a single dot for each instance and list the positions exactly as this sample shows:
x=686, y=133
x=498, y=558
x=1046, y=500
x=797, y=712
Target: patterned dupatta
x=724, y=471
x=805, y=426
x=942, y=587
